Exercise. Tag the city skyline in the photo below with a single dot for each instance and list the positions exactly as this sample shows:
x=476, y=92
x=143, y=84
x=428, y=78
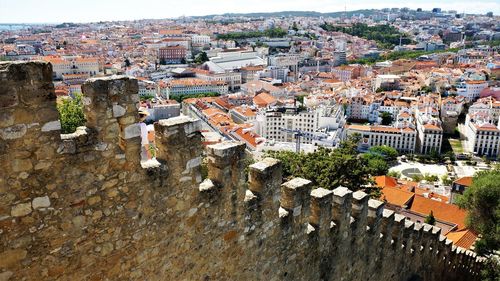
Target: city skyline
x=57, y=11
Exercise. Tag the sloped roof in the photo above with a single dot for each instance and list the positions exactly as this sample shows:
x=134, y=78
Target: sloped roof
x=465, y=181
x=441, y=210
x=386, y=181
x=263, y=99
x=396, y=196
x=463, y=238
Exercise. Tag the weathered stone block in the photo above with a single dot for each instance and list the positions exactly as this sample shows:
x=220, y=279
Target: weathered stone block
x=11, y=258
x=21, y=209
x=21, y=165
x=41, y=202
x=13, y=132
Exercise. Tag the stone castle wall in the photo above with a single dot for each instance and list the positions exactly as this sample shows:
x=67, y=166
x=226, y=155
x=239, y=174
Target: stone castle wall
x=81, y=207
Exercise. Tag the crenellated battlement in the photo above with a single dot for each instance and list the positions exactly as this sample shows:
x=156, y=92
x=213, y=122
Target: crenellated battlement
x=82, y=207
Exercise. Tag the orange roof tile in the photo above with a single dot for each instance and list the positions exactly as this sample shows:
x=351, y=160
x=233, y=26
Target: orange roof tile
x=442, y=211
x=263, y=99
x=396, y=196
x=465, y=181
x=464, y=238
x=386, y=181
x=249, y=137
x=430, y=194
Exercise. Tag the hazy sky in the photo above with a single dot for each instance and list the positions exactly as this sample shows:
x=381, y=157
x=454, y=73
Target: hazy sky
x=56, y=11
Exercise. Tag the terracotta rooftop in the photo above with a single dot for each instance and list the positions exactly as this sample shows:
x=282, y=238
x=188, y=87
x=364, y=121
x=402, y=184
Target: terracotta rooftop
x=441, y=210
x=463, y=238
x=396, y=196
x=386, y=181
x=465, y=181
x=263, y=99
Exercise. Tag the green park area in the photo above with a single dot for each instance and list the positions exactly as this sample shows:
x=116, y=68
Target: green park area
x=456, y=145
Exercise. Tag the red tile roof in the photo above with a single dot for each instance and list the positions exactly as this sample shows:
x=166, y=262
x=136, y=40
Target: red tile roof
x=396, y=196
x=386, y=181
x=441, y=210
x=465, y=181
x=263, y=99
x=464, y=238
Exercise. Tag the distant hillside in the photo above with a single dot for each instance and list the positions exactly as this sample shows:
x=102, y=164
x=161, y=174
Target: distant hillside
x=294, y=14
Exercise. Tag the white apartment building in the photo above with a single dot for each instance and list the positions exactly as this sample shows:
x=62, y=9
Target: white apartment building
x=471, y=89
x=289, y=61
x=386, y=82
x=430, y=133
x=451, y=104
x=192, y=86
x=270, y=124
x=488, y=106
x=401, y=139
x=483, y=138
x=243, y=114
x=358, y=108
x=73, y=65
x=200, y=40
x=147, y=88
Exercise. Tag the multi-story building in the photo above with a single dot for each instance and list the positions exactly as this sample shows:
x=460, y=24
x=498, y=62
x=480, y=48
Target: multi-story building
x=471, y=89
x=231, y=78
x=272, y=124
x=72, y=65
x=192, y=86
x=250, y=73
x=147, y=88
x=339, y=57
x=483, y=138
x=386, y=82
x=347, y=72
x=450, y=104
x=430, y=133
x=172, y=54
x=161, y=109
x=200, y=40
x=451, y=107
x=243, y=114
x=402, y=139
x=231, y=61
x=288, y=61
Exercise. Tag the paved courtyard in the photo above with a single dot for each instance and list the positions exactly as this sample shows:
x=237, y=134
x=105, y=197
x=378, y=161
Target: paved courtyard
x=409, y=168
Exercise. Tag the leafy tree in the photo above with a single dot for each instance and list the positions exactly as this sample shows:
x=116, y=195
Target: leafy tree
x=180, y=98
x=147, y=97
x=386, y=36
x=430, y=178
x=71, y=114
x=201, y=58
x=385, y=151
x=386, y=118
x=300, y=98
x=394, y=174
x=430, y=219
x=417, y=177
x=378, y=166
x=426, y=89
x=446, y=180
x=271, y=32
x=482, y=201
x=491, y=269
x=434, y=155
x=328, y=168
